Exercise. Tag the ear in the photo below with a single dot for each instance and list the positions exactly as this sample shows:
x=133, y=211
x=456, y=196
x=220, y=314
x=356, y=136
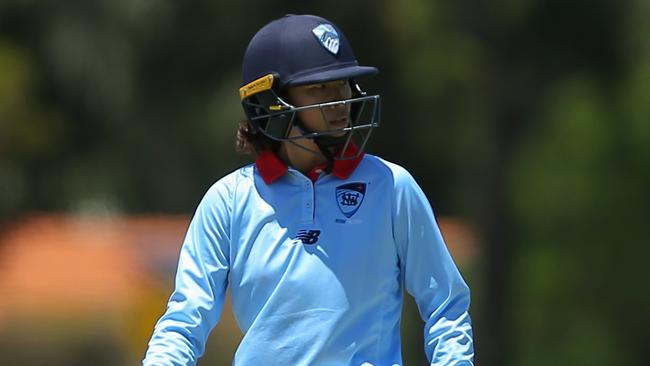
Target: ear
x=277, y=125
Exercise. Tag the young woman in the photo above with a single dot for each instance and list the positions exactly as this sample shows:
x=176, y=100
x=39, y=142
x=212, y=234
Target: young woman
x=316, y=239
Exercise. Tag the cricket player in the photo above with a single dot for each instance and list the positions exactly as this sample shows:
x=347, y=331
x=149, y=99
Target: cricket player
x=317, y=240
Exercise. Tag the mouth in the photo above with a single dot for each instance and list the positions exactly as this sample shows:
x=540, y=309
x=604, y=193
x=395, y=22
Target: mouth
x=339, y=123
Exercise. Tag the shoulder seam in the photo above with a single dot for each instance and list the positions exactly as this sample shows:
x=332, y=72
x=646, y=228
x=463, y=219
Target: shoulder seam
x=382, y=164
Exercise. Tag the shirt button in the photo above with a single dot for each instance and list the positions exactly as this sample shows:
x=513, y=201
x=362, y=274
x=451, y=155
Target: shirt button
x=308, y=204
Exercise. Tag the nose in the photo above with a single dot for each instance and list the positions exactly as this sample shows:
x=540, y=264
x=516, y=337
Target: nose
x=342, y=90
x=338, y=90
x=337, y=109
x=336, y=97
x=337, y=94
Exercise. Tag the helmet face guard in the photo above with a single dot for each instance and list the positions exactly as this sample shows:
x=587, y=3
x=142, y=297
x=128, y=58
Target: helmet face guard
x=269, y=114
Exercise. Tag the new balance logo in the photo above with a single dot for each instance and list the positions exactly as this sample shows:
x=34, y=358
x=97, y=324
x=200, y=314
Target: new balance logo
x=308, y=236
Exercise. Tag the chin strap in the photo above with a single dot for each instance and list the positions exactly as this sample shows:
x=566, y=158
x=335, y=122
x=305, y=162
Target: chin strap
x=324, y=143
x=324, y=149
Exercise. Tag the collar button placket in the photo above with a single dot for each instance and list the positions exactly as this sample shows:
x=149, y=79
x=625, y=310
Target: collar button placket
x=308, y=202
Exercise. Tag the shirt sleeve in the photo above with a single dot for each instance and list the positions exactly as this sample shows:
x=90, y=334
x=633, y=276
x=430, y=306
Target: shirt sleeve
x=431, y=276
x=196, y=304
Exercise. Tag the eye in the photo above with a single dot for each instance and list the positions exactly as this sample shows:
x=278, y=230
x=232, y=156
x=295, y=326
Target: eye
x=316, y=86
x=330, y=84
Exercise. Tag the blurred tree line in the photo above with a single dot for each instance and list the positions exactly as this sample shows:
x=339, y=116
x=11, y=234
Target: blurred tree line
x=529, y=119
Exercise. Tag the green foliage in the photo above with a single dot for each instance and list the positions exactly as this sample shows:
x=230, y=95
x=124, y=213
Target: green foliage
x=582, y=212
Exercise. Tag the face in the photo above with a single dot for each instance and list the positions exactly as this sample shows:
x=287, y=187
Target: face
x=326, y=118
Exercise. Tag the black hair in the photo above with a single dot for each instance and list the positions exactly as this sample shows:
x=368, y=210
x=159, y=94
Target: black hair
x=250, y=143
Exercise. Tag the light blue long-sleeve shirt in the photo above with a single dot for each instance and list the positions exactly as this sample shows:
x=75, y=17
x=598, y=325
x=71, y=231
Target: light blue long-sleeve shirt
x=316, y=271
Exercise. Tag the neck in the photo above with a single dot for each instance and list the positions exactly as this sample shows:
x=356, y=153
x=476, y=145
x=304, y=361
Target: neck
x=300, y=159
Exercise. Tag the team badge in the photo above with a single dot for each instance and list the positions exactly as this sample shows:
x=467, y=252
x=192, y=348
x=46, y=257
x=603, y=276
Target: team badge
x=349, y=197
x=327, y=37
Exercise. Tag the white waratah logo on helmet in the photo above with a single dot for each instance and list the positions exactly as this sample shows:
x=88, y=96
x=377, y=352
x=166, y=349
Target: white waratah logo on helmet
x=328, y=37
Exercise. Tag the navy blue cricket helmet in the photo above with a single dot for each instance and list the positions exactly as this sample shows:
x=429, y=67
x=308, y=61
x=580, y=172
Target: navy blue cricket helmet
x=299, y=50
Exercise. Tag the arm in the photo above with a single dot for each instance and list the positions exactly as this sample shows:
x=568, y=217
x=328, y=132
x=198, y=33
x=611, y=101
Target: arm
x=195, y=306
x=431, y=277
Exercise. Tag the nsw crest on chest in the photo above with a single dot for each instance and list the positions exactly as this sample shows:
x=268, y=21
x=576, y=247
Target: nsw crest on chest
x=349, y=198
